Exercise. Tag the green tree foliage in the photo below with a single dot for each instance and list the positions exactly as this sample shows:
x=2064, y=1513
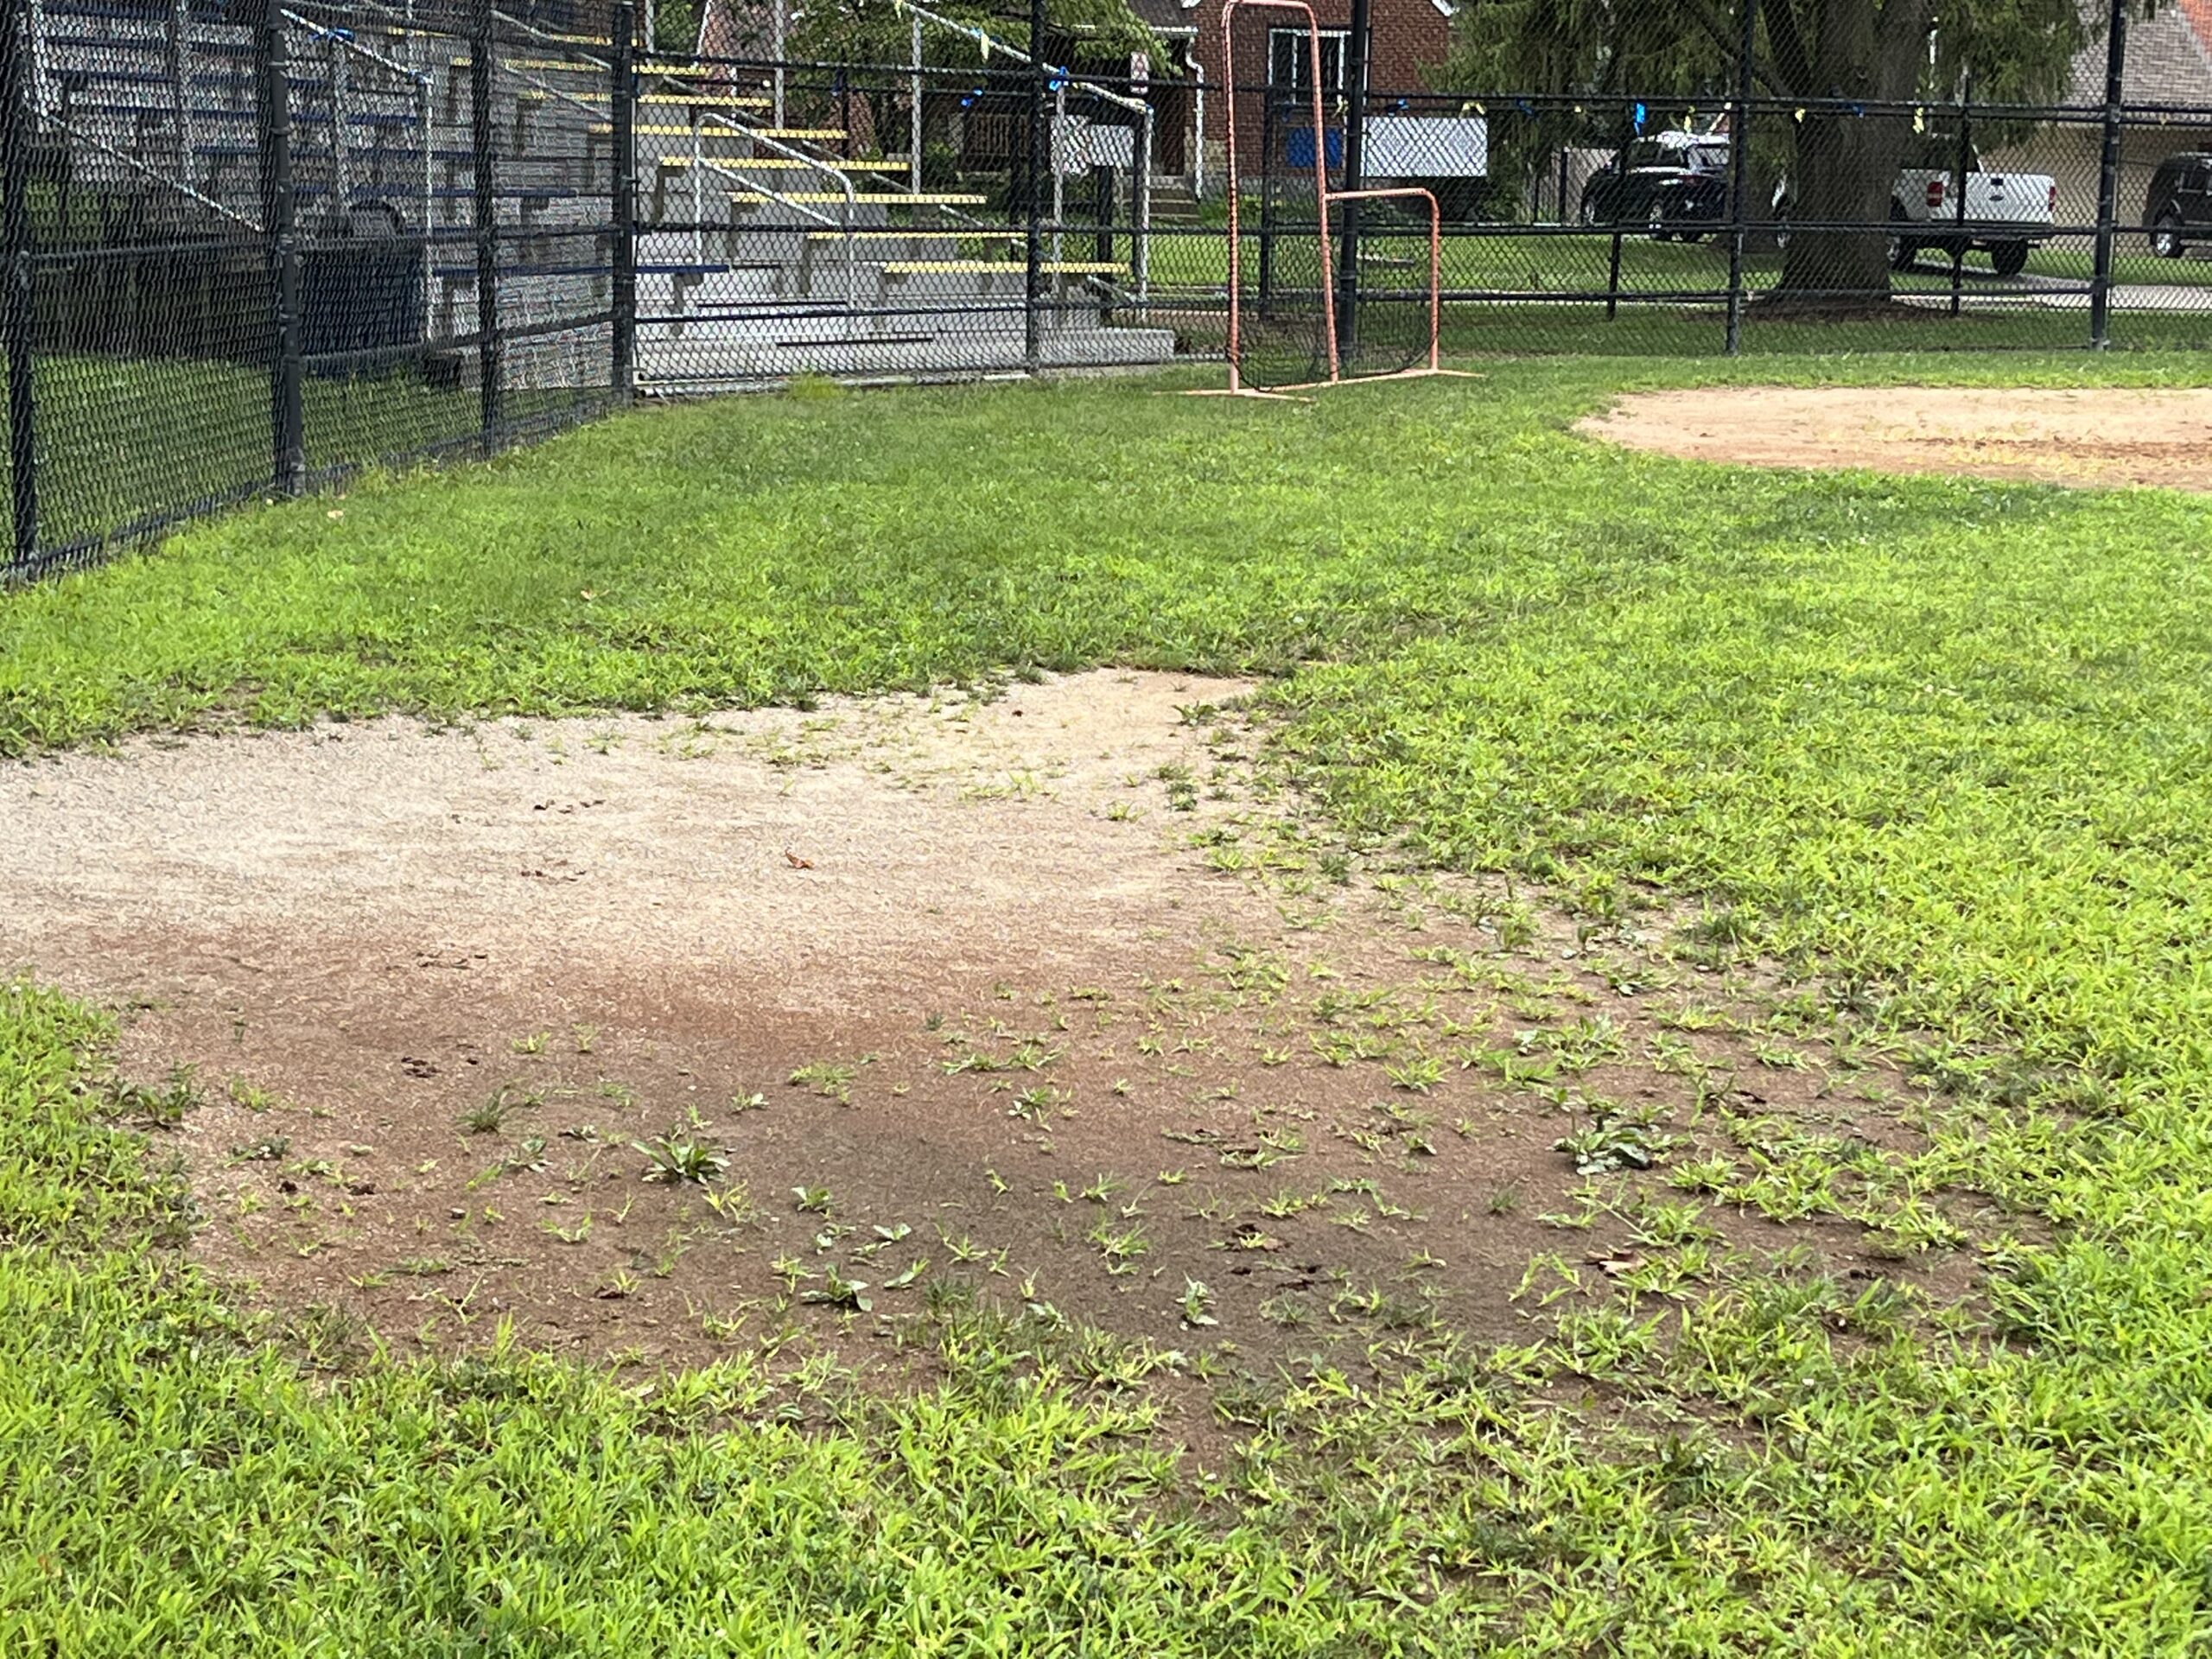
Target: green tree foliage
x=1088, y=32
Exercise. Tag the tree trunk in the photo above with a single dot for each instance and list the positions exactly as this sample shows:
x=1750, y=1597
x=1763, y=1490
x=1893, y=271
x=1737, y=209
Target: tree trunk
x=1846, y=164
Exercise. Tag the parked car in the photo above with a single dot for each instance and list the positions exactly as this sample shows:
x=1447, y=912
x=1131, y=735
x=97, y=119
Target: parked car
x=1673, y=184
x=2179, y=201
x=2007, y=214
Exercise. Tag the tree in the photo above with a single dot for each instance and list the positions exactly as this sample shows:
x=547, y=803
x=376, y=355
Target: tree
x=1832, y=63
x=1095, y=35
x=1089, y=33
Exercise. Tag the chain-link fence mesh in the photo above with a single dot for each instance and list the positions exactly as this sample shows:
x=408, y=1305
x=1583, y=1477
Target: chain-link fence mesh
x=252, y=241
x=251, y=246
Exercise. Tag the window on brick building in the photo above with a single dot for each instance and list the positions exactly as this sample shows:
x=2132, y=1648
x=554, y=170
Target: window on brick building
x=1290, y=63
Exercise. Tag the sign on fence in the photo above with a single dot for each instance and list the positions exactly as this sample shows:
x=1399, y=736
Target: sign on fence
x=1427, y=146
x=1079, y=144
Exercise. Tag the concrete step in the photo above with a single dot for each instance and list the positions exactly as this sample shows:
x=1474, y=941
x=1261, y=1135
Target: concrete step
x=945, y=346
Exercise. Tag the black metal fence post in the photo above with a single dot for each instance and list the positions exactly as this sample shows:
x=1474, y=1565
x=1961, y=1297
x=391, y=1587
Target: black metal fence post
x=622, y=97
x=491, y=368
x=1033, y=344
x=1959, y=188
x=1613, y=263
x=272, y=83
x=19, y=134
x=1355, y=162
x=1739, y=172
x=2109, y=176
x=1102, y=198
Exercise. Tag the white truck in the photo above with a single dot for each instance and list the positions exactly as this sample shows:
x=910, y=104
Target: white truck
x=2005, y=214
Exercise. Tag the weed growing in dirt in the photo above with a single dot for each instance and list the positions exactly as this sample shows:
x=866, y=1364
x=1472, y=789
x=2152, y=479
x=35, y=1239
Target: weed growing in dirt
x=488, y=1115
x=675, y=1155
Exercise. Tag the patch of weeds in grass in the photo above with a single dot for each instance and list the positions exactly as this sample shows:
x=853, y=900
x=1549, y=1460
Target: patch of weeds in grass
x=1197, y=1304
x=269, y=1148
x=839, y=1290
x=1417, y=1072
x=243, y=1092
x=1616, y=1136
x=734, y=1204
x=489, y=1115
x=162, y=1106
x=1121, y=1247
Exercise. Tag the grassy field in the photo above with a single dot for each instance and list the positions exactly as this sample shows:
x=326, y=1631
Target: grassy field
x=1579, y=260
x=123, y=442
x=1941, y=746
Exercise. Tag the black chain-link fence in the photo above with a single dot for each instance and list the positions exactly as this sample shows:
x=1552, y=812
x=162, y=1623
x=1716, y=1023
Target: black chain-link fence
x=253, y=246
x=257, y=246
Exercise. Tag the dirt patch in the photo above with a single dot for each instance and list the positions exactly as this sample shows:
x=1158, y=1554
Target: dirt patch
x=2100, y=436
x=656, y=1036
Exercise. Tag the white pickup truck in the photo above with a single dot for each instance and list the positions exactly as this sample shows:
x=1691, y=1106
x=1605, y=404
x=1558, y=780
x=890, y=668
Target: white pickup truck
x=2007, y=214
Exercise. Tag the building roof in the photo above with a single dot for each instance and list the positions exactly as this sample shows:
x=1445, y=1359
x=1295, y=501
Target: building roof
x=2167, y=59
x=1164, y=15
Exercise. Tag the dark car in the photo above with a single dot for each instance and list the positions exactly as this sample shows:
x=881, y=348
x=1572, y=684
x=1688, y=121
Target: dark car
x=2178, y=202
x=1673, y=184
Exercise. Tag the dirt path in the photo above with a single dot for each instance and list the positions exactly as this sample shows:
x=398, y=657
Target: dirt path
x=2100, y=436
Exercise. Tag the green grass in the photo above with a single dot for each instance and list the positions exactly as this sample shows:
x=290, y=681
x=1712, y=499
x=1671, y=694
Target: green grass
x=1942, y=745
x=1580, y=261
x=125, y=441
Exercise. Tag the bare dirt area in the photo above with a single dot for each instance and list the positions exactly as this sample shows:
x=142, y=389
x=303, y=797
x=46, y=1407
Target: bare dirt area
x=653, y=1037
x=2095, y=437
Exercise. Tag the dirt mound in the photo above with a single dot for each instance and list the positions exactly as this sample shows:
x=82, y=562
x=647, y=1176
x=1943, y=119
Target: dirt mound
x=656, y=1036
x=2099, y=436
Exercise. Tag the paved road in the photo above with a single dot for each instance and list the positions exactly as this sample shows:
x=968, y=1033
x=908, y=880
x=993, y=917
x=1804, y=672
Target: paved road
x=1981, y=291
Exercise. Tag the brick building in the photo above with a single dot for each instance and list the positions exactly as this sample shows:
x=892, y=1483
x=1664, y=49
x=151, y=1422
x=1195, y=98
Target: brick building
x=1406, y=38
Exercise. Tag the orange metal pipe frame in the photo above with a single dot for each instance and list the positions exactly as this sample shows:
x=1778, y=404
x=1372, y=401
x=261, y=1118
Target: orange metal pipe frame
x=1323, y=196
x=1229, y=10
x=1435, y=262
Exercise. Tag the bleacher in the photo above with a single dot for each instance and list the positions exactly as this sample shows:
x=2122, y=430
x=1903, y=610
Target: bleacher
x=762, y=250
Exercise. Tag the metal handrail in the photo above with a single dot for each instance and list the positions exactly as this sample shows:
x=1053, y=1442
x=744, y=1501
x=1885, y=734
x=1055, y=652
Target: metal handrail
x=426, y=93
x=112, y=153
x=1141, y=232
x=47, y=108
x=592, y=107
x=701, y=162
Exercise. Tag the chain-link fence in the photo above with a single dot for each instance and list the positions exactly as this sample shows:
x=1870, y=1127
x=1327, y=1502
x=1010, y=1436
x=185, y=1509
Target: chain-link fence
x=255, y=246
x=252, y=246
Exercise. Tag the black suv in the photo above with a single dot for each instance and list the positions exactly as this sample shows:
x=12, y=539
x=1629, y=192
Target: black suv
x=1672, y=184
x=2178, y=201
